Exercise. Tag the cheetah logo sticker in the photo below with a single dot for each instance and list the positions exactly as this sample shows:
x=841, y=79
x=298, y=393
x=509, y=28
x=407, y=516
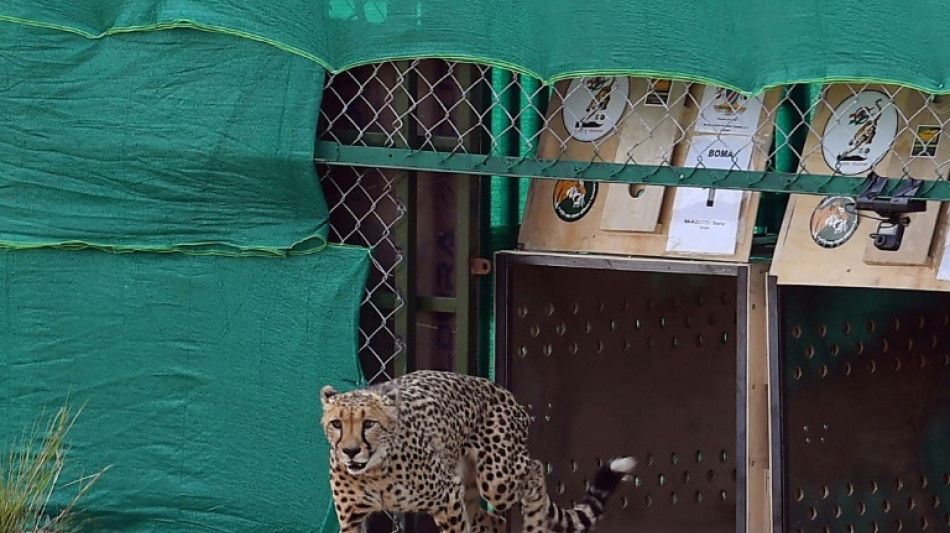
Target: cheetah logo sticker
x=859, y=133
x=574, y=198
x=833, y=221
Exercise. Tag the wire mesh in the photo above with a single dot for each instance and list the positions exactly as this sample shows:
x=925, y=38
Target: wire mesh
x=609, y=127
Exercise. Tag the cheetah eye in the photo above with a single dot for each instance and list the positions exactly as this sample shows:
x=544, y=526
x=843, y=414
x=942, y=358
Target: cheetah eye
x=368, y=424
x=336, y=424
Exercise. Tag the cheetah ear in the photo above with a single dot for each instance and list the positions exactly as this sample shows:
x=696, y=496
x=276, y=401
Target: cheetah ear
x=391, y=397
x=326, y=393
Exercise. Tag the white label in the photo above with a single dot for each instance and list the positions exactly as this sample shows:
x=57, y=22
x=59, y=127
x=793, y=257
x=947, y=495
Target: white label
x=706, y=221
x=727, y=111
x=593, y=106
x=859, y=133
x=943, y=273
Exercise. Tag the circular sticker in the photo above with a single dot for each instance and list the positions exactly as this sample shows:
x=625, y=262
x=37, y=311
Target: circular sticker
x=573, y=198
x=593, y=106
x=859, y=132
x=834, y=221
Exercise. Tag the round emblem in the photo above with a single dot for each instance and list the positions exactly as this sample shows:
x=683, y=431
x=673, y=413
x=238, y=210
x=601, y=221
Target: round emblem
x=859, y=132
x=834, y=221
x=592, y=106
x=573, y=198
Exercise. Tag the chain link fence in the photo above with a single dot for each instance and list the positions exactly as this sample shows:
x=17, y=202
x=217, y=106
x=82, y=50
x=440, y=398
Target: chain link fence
x=381, y=120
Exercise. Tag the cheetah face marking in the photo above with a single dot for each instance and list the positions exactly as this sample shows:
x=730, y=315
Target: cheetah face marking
x=359, y=426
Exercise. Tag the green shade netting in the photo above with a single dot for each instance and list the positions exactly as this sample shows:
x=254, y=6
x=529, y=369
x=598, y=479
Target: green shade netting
x=154, y=140
x=200, y=377
x=745, y=44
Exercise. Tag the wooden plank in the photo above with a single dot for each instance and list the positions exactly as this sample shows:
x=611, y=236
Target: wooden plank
x=758, y=449
x=543, y=229
x=647, y=138
x=799, y=260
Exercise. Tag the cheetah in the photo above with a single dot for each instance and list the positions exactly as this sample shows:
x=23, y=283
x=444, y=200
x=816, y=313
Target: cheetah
x=437, y=442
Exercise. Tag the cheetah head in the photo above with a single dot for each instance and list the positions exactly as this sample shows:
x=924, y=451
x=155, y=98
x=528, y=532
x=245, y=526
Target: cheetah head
x=359, y=425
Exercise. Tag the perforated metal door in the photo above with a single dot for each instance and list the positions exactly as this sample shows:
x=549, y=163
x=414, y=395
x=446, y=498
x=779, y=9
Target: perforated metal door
x=612, y=361
x=865, y=400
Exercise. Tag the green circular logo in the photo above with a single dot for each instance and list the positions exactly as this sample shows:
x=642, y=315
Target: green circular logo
x=573, y=198
x=834, y=221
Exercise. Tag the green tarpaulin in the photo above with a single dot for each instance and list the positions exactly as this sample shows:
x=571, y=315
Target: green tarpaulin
x=200, y=377
x=745, y=44
x=200, y=366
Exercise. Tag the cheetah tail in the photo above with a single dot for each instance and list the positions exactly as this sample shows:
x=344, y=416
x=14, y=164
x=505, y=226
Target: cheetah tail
x=585, y=513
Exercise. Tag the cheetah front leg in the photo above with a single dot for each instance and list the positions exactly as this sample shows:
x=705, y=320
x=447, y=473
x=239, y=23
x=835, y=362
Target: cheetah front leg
x=452, y=518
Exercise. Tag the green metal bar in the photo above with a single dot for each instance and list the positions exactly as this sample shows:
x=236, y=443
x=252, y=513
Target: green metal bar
x=330, y=153
x=437, y=304
x=405, y=236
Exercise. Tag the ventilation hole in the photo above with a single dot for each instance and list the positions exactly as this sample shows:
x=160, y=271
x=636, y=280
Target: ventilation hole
x=699, y=459
x=586, y=485
x=573, y=465
x=799, y=494
x=561, y=329
x=898, y=484
x=560, y=487
x=859, y=347
x=886, y=506
x=823, y=370
x=812, y=513
x=725, y=337
x=846, y=327
x=548, y=350
x=896, y=324
x=796, y=331
x=871, y=326
x=649, y=459
x=549, y=309
x=898, y=525
x=874, y=487
x=674, y=458
x=661, y=480
x=600, y=306
x=613, y=325
x=686, y=477
x=723, y=495
x=699, y=497
x=910, y=344
x=636, y=323
x=548, y=468
x=688, y=321
x=924, y=524
x=849, y=529
x=649, y=500
x=522, y=311
x=624, y=502
x=673, y=498
x=923, y=361
x=575, y=308
x=600, y=346
x=825, y=492
x=911, y=504
x=874, y=527
x=676, y=342
x=588, y=327
x=523, y=350
x=699, y=339
x=846, y=369
x=723, y=456
x=822, y=330
x=662, y=322
x=934, y=341
x=837, y=511
x=637, y=481
x=921, y=322
x=574, y=348
x=897, y=365
x=797, y=373
x=825, y=529
x=872, y=366
x=935, y=501
x=885, y=345
x=862, y=508
x=849, y=489
x=809, y=352
x=534, y=330
x=946, y=479
x=833, y=350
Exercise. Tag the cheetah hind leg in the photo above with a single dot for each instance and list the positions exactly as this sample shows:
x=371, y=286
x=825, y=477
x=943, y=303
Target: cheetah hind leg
x=542, y=514
x=481, y=521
